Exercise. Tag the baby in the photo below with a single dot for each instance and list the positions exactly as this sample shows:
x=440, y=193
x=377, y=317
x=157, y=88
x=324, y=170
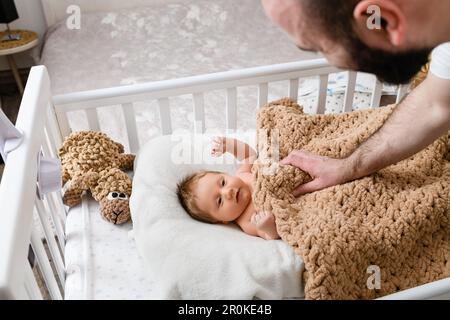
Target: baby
x=216, y=197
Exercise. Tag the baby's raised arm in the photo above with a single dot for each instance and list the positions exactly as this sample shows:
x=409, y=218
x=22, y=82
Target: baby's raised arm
x=239, y=149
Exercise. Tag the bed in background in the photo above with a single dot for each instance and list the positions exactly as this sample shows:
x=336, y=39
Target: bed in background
x=142, y=41
x=161, y=41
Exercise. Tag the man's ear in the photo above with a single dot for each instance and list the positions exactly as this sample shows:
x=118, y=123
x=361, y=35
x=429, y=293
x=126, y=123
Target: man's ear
x=381, y=24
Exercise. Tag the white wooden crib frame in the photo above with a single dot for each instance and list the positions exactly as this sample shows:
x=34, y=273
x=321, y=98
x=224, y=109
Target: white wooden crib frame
x=43, y=121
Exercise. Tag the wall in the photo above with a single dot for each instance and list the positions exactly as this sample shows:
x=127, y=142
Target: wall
x=31, y=17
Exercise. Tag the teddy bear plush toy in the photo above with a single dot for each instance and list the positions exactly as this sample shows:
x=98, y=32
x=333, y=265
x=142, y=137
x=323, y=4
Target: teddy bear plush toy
x=92, y=161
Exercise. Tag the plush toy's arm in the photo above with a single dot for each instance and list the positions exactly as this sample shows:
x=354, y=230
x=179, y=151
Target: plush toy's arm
x=65, y=175
x=126, y=161
x=72, y=195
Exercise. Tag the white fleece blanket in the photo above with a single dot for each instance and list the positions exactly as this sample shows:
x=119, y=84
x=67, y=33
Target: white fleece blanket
x=194, y=260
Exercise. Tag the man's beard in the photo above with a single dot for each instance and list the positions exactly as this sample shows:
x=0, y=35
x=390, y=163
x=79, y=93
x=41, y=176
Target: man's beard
x=394, y=68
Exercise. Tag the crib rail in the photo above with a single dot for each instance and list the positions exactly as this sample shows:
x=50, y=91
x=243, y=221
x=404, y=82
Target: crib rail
x=19, y=203
x=197, y=86
x=45, y=123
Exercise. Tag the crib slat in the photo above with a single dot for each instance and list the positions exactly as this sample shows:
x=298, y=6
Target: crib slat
x=232, y=108
x=92, y=118
x=322, y=97
x=350, y=92
x=46, y=148
x=263, y=93
x=52, y=245
x=64, y=126
x=53, y=129
x=164, y=113
x=60, y=209
x=401, y=92
x=293, y=89
x=50, y=143
x=130, y=123
x=376, y=94
x=50, y=201
x=87, y=248
x=45, y=266
x=31, y=285
x=199, y=113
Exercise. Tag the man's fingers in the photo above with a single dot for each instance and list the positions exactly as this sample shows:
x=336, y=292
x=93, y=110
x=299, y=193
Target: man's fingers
x=295, y=158
x=291, y=159
x=307, y=188
x=286, y=161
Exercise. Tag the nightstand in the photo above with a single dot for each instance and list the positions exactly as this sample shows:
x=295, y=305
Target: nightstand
x=28, y=40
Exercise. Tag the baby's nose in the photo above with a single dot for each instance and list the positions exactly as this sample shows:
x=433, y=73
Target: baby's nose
x=229, y=193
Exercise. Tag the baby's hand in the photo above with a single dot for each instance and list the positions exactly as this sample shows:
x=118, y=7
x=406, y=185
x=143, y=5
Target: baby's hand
x=265, y=222
x=218, y=147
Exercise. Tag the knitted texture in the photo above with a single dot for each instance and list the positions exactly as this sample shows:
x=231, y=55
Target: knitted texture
x=111, y=180
x=85, y=151
x=397, y=220
x=421, y=76
x=92, y=161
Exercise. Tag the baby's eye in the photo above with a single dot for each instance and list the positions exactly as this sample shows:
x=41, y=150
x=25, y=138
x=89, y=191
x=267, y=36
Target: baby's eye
x=219, y=201
x=223, y=182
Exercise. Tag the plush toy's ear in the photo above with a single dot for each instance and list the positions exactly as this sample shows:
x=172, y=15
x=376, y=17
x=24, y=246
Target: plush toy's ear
x=127, y=161
x=120, y=146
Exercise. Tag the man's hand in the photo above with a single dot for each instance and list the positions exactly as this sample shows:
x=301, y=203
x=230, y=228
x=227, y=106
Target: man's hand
x=427, y=108
x=325, y=172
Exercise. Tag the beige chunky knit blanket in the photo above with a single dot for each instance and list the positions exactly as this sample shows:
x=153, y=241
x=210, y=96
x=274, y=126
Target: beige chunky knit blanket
x=367, y=238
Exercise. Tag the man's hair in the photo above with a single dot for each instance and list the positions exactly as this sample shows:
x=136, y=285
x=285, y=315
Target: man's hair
x=336, y=21
x=188, y=199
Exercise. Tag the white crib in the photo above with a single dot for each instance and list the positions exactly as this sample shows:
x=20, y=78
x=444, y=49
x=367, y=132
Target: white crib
x=43, y=121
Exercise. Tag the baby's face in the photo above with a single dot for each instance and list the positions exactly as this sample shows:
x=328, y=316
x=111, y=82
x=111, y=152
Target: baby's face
x=223, y=196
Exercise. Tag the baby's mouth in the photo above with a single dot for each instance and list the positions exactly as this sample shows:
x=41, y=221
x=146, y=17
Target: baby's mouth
x=237, y=195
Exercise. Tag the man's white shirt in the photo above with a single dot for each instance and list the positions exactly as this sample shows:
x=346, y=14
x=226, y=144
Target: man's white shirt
x=440, y=61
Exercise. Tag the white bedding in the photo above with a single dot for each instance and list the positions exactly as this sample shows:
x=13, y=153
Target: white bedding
x=101, y=259
x=195, y=260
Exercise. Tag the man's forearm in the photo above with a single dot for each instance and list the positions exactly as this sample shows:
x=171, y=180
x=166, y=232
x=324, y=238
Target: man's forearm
x=413, y=125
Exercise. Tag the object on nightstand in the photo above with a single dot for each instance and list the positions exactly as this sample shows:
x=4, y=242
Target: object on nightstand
x=28, y=40
x=8, y=13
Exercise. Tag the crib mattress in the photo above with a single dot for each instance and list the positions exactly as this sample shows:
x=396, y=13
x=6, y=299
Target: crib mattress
x=101, y=258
